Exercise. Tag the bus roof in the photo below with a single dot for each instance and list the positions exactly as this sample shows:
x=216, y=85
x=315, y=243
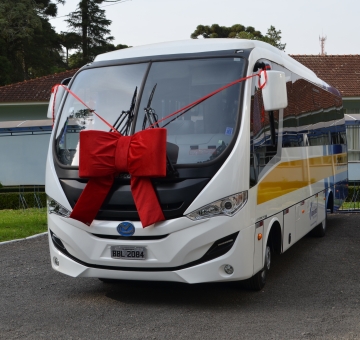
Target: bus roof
x=208, y=45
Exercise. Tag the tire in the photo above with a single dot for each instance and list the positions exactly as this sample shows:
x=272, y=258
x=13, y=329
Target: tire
x=257, y=282
x=320, y=229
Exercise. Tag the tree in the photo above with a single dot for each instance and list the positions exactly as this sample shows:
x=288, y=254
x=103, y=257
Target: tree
x=239, y=31
x=71, y=41
x=216, y=31
x=90, y=23
x=43, y=53
x=29, y=45
x=273, y=37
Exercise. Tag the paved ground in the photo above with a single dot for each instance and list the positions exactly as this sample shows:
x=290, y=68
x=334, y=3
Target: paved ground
x=313, y=292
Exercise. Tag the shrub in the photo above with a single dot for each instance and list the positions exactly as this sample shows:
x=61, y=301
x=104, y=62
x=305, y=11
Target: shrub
x=353, y=193
x=17, y=189
x=10, y=200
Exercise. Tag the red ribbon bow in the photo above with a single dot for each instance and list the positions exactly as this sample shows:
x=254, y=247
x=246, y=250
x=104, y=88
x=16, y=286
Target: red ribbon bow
x=104, y=154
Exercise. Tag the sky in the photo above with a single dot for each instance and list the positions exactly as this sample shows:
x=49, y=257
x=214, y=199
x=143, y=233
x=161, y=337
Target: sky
x=141, y=22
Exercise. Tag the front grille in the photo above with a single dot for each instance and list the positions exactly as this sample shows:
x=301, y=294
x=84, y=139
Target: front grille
x=175, y=196
x=133, y=238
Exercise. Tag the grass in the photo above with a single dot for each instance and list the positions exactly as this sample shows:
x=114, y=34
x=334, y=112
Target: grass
x=16, y=224
x=350, y=205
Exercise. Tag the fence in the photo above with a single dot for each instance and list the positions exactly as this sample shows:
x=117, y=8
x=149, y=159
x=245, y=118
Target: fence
x=352, y=202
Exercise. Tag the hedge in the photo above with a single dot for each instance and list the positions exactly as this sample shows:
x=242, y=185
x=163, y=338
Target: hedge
x=28, y=188
x=10, y=200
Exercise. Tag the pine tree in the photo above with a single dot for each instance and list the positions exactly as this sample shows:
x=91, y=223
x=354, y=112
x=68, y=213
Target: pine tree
x=90, y=23
x=273, y=37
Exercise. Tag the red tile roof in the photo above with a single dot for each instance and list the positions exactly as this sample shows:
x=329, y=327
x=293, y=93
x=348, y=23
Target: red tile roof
x=340, y=71
x=34, y=90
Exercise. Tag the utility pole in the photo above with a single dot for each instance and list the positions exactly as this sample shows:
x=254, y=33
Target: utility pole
x=322, y=44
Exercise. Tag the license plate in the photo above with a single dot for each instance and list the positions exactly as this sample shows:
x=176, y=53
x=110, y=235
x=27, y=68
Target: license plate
x=128, y=253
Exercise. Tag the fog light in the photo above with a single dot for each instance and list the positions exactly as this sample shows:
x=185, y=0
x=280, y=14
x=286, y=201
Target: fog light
x=228, y=269
x=56, y=261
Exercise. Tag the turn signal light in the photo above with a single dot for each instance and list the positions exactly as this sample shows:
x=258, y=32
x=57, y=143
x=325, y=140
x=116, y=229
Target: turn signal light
x=259, y=237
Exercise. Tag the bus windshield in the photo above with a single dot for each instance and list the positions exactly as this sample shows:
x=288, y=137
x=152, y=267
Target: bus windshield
x=199, y=135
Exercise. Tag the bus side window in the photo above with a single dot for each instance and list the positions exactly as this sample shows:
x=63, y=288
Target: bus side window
x=316, y=115
x=290, y=137
x=339, y=122
x=264, y=128
x=289, y=131
x=304, y=105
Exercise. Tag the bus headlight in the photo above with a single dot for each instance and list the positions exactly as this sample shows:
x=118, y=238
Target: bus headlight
x=227, y=206
x=56, y=208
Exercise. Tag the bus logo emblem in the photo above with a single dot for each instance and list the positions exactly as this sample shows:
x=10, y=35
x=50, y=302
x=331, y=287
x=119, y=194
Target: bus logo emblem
x=126, y=229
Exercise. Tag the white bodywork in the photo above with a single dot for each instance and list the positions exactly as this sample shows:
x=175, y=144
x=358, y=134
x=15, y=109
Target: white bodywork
x=188, y=240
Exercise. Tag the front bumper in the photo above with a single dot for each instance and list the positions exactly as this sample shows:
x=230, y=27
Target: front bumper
x=89, y=255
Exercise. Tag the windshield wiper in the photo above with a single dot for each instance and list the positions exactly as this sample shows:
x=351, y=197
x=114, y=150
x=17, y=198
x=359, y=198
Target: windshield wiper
x=129, y=115
x=150, y=114
x=152, y=117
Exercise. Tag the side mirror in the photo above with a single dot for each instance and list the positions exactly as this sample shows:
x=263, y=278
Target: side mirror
x=54, y=107
x=274, y=92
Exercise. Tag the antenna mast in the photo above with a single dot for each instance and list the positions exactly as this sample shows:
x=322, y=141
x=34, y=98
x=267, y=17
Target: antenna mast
x=322, y=44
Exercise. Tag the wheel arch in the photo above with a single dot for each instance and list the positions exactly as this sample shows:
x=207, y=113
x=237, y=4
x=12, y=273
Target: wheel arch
x=274, y=236
x=330, y=201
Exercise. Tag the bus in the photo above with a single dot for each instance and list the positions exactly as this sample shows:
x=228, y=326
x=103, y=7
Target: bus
x=191, y=161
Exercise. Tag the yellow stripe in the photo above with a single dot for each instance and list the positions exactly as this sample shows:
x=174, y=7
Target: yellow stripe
x=290, y=176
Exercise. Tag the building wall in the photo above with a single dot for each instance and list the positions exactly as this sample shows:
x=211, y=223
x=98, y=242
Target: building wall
x=12, y=112
x=23, y=159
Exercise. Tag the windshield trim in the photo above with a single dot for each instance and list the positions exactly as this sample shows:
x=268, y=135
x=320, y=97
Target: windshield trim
x=244, y=54
x=143, y=60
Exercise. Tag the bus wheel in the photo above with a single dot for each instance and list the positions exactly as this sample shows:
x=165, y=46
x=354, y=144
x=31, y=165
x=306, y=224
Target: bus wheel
x=257, y=282
x=320, y=230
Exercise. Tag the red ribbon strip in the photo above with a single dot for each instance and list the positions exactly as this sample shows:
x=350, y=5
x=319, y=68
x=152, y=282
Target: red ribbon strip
x=143, y=155
x=105, y=154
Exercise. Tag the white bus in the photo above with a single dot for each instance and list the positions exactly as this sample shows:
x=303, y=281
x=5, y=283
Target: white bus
x=255, y=157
